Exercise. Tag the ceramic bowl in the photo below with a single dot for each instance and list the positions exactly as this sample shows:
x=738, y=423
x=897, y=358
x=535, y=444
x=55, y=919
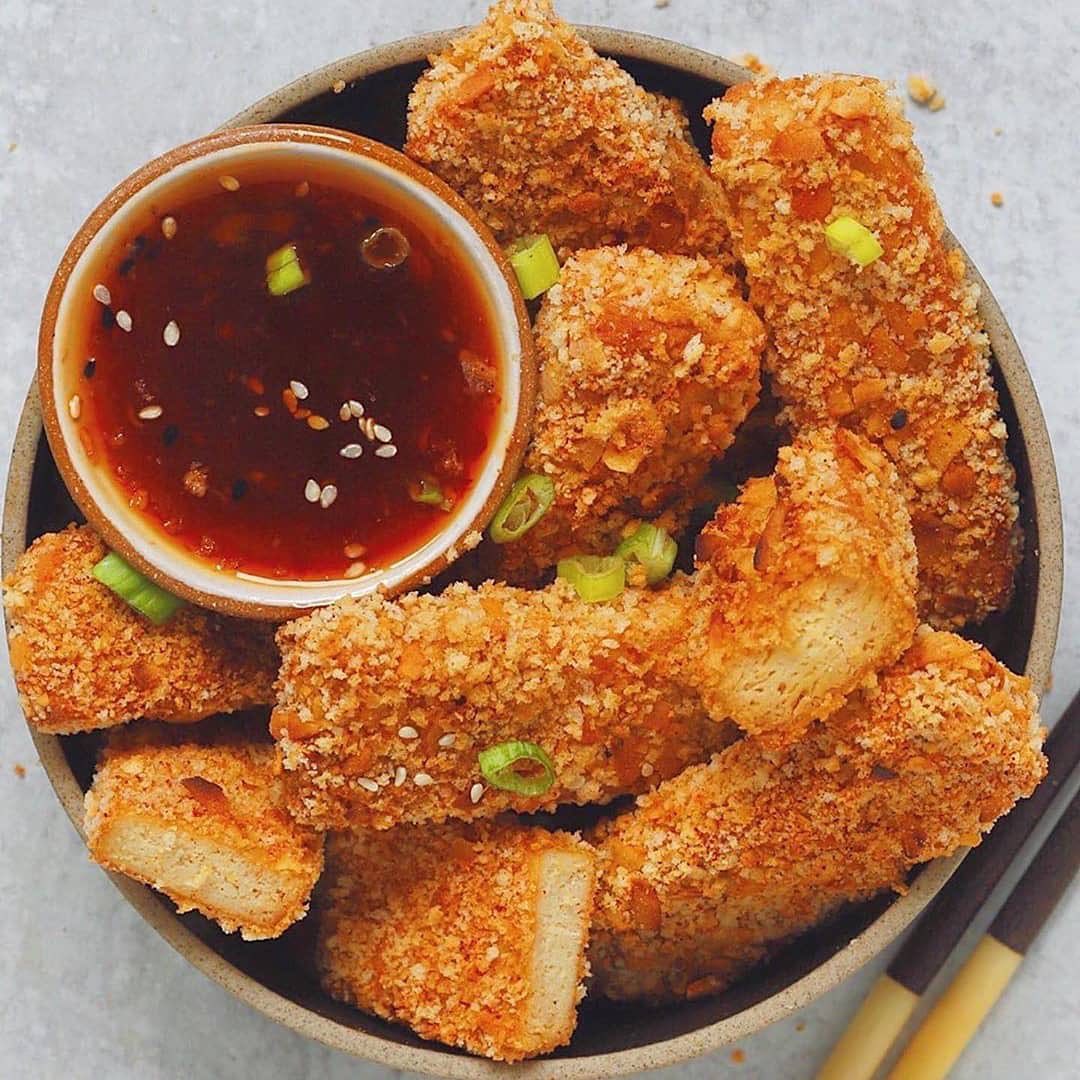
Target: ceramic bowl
x=610, y=1041
x=372, y=168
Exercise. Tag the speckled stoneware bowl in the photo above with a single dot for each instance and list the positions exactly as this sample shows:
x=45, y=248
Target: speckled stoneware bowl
x=273, y=976
x=364, y=165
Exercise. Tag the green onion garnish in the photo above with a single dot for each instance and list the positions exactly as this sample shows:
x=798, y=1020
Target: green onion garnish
x=427, y=490
x=595, y=577
x=137, y=590
x=846, y=236
x=527, y=502
x=654, y=548
x=535, y=263
x=284, y=274
x=521, y=767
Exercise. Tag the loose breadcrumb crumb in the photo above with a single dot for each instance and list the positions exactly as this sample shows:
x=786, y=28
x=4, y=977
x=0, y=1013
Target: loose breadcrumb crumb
x=718, y=867
x=19, y=770
x=84, y=659
x=997, y=199
x=920, y=89
x=897, y=349
x=752, y=62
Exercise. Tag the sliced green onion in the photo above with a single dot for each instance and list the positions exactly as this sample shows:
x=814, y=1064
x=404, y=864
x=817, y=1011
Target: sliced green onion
x=284, y=274
x=846, y=236
x=535, y=263
x=521, y=767
x=594, y=577
x=654, y=548
x=527, y=502
x=137, y=590
x=427, y=490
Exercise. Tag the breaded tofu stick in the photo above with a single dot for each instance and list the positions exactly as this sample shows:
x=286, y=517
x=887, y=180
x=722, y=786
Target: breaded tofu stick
x=199, y=816
x=720, y=866
x=896, y=349
x=384, y=705
x=541, y=135
x=84, y=659
x=649, y=363
x=473, y=935
x=818, y=573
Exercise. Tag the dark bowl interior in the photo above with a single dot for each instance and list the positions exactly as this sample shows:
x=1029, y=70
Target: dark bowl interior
x=375, y=107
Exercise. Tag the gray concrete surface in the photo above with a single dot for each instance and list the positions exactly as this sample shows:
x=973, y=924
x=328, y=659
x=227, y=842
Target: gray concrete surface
x=89, y=90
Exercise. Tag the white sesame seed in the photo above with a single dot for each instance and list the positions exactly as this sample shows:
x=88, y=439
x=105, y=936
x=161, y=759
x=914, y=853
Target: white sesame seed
x=312, y=491
x=367, y=784
x=354, y=551
x=388, y=450
x=229, y=183
x=421, y=779
x=356, y=408
x=75, y=406
x=408, y=732
x=150, y=412
x=102, y=294
x=382, y=433
x=476, y=793
x=446, y=741
x=329, y=494
x=299, y=389
x=344, y=412
x=400, y=776
x=302, y=189
x=352, y=450
x=354, y=570
x=168, y=227
x=171, y=333
x=646, y=769
x=367, y=426
x=123, y=320
x=338, y=86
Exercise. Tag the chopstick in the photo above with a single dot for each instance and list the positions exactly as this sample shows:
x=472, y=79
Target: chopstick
x=956, y=1015
x=892, y=1000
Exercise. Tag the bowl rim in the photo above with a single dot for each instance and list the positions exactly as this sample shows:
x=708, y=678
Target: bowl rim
x=507, y=313
x=430, y=1059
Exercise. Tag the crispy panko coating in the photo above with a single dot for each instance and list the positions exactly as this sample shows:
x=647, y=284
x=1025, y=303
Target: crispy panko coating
x=718, y=867
x=541, y=135
x=471, y=934
x=649, y=363
x=895, y=350
x=818, y=573
x=383, y=705
x=199, y=815
x=84, y=659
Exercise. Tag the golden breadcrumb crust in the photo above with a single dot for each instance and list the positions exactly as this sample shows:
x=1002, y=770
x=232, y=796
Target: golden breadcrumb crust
x=817, y=580
x=541, y=135
x=719, y=866
x=438, y=928
x=84, y=659
x=179, y=808
x=895, y=350
x=648, y=365
x=383, y=705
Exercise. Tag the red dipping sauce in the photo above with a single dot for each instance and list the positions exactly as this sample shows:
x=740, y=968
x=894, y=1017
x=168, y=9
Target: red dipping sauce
x=306, y=436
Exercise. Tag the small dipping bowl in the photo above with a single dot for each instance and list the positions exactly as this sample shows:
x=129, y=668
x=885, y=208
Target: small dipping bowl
x=377, y=172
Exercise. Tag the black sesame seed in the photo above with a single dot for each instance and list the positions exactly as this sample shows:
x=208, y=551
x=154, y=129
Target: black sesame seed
x=108, y=318
x=138, y=243
x=170, y=434
x=239, y=489
x=127, y=266
x=89, y=369
x=898, y=420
